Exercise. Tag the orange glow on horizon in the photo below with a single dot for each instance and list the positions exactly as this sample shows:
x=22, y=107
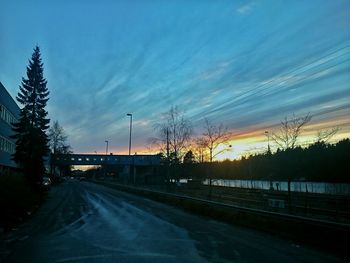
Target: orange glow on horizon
x=254, y=141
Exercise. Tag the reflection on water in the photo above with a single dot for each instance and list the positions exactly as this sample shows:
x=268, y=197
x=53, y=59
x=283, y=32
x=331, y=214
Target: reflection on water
x=311, y=187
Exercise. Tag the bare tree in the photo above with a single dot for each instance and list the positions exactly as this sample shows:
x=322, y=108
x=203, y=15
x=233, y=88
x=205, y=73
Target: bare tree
x=326, y=135
x=199, y=149
x=213, y=136
x=58, y=142
x=58, y=138
x=287, y=135
x=174, y=134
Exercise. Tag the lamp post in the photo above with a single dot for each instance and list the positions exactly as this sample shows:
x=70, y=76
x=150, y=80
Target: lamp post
x=106, y=147
x=130, y=115
x=105, y=168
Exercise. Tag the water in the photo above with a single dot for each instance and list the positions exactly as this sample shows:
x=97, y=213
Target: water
x=310, y=187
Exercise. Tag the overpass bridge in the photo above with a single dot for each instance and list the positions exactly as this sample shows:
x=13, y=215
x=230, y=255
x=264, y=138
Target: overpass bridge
x=134, y=167
x=99, y=159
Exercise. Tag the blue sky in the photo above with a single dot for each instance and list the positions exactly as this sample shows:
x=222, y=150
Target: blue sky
x=244, y=63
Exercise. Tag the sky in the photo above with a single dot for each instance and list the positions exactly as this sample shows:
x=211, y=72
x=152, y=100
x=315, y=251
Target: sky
x=246, y=64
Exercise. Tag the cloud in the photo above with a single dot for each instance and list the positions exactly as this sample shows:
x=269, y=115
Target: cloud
x=246, y=9
x=246, y=73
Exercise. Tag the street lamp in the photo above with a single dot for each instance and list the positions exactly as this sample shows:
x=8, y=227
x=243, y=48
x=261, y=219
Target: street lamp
x=130, y=115
x=106, y=147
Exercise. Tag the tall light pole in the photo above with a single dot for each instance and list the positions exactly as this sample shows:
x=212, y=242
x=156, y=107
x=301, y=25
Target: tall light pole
x=106, y=147
x=130, y=115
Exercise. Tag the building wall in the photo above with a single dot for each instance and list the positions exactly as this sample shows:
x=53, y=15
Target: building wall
x=9, y=112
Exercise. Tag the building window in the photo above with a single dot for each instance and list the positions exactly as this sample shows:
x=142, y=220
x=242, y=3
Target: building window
x=6, y=115
x=6, y=145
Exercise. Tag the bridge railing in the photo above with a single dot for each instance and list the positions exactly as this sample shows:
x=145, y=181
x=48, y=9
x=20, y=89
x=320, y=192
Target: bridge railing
x=97, y=159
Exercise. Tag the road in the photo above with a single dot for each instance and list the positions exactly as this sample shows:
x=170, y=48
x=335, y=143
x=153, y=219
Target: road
x=85, y=222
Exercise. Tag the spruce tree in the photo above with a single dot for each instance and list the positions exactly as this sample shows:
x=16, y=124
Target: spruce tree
x=30, y=130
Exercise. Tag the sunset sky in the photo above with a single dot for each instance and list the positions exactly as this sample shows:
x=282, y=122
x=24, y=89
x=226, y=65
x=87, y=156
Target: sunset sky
x=246, y=64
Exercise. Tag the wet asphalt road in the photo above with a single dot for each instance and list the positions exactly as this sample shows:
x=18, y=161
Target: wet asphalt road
x=84, y=222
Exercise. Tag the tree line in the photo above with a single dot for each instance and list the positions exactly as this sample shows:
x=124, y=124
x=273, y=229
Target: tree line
x=320, y=161
x=187, y=156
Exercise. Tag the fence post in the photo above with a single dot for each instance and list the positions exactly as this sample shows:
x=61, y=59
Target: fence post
x=289, y=197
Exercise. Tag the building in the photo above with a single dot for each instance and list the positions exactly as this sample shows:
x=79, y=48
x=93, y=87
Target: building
x=9, y=113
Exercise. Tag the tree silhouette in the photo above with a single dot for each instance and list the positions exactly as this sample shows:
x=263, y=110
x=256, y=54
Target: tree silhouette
x=320, y=161
x=58, y=139
x=189, y=157
x=289, y=131
x=58, y=143
x=213, y=136
x=174, y=134
x=29, y=131
x=199, y=149
x=326, y=135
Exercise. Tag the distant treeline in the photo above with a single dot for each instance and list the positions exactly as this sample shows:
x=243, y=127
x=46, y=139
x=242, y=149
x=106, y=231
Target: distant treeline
x=318, y=162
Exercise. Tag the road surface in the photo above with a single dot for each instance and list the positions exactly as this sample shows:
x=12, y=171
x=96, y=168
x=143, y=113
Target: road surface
x=85, y=222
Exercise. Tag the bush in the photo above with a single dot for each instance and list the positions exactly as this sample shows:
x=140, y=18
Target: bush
x=17, y=199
